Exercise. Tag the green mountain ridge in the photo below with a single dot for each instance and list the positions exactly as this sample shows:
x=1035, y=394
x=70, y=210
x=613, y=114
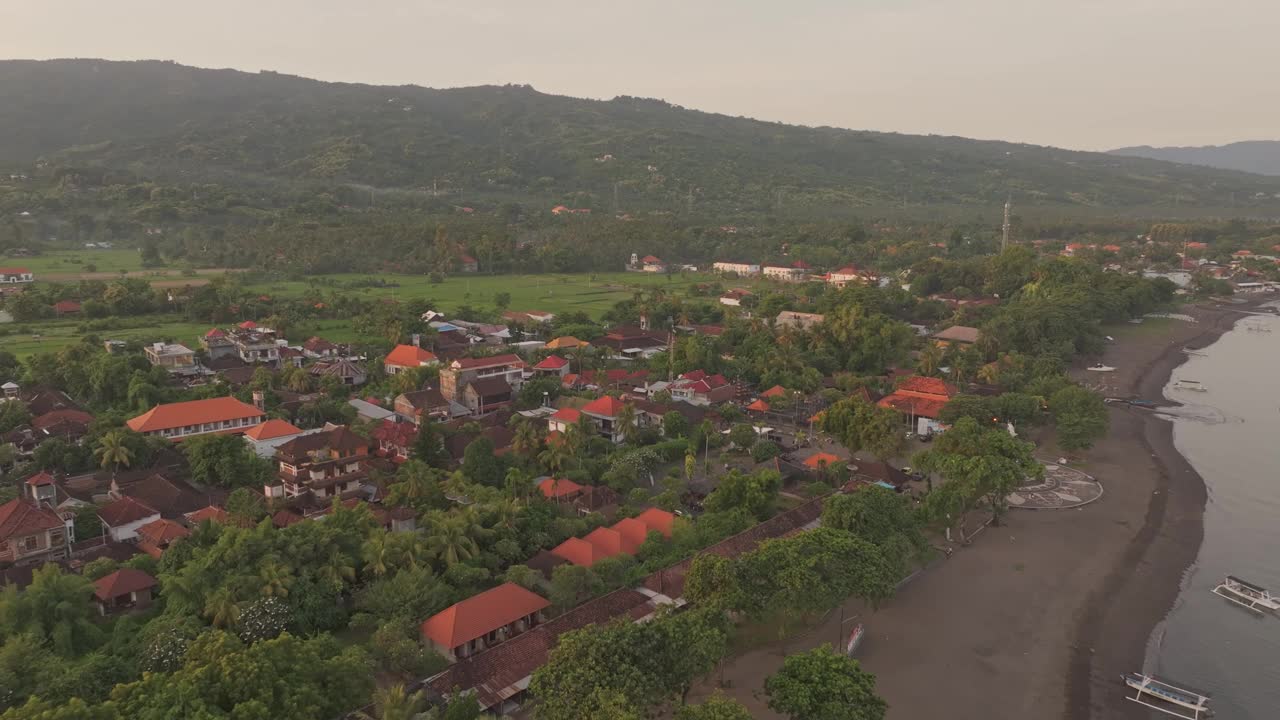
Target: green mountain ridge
x=178, y=123
x=1254, y=156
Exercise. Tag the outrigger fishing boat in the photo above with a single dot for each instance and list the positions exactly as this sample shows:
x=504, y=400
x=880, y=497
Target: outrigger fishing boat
x=855, y=639
x=1170, y=699
x=1192, y=385
x=1247, y=595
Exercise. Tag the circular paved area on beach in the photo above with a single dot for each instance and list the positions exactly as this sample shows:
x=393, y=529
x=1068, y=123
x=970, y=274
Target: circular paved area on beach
x=1063, y=488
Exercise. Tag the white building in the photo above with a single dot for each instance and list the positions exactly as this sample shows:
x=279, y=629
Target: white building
x=739, y=268
x=15, y=275
x=785, y=274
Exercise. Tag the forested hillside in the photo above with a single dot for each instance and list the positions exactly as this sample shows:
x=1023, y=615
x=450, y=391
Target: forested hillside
x=172, y=123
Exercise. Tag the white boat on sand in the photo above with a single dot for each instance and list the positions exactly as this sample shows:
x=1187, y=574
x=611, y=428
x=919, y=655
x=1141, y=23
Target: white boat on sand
x=1168, y=698
x=1247, y=595
x=1192, y=385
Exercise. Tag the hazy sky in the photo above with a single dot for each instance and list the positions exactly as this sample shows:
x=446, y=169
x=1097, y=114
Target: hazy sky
x=1091, y=74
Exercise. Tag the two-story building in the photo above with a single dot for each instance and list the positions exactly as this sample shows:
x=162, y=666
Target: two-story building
x=322, y=465
x=255, y=344
x=31, y=532
x=419, y=405
x=173, y=357
x=697, y=387
x=484, y=620
x=787, y=273
x=482, y=384
x=851, y=274
x=407, y=357
x=197, y=417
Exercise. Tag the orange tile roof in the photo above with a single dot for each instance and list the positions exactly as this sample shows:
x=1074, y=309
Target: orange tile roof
x=121, y=582
x=775, y=391
x=410, y=356
x=927, y=386
x=910, y=404
x=568, y=342
x=40, y=478
x=758, y=406
x=633, y=534
x=607, y=541
x=192, y=412
x=817, y=460
x=162, y=531
x=607, y=406
x=553, y=488
x=273, y=428
x=481, y=614
x=657, y=520
x=578, y=552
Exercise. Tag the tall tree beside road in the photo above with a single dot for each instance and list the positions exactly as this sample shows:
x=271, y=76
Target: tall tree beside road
x=824, y=685
x=1081, y=417
x=984, y=463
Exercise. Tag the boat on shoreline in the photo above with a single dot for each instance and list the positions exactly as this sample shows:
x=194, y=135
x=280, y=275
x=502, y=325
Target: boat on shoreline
x=855, y=639
x=1192, y=385
x=1247, y=595
x=1170, y=699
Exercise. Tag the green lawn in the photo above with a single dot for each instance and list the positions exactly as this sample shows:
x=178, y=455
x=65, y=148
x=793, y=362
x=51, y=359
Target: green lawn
x=53, y=335
x=592, y=294
x=61, y=264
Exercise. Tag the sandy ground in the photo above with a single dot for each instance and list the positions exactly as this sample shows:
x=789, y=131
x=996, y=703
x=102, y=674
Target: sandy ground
x=1038, y=617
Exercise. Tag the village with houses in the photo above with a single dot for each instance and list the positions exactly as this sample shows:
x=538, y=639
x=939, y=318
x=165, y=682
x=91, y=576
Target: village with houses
x=542, y=475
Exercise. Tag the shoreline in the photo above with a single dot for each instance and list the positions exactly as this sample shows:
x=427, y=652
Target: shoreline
x=1114, y=631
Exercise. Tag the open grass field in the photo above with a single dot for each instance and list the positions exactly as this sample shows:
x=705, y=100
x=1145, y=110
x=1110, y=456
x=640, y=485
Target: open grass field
x=589, y=293
x=53, y=335
x=72, y=265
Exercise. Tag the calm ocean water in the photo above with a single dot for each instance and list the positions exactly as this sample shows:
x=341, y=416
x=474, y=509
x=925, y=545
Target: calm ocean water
x=1231, y=435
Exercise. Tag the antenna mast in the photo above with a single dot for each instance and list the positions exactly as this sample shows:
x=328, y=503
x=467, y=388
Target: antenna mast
x=1004, y=240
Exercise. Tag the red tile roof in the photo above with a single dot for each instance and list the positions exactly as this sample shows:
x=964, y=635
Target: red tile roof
x=607, y=406
x=193, y=412
x=19, y=518
x=273, y=428
x=567, y=415
x=552, y=362
x=913, y=405
x=494, y=361
x=40, y=478
x=657, y=520
x=211, y=512
x=481, y=614
x=66, y=306
x=410, y=356
x=57, y=417
x=124, y=511
x=215, y=333
x=121, y=582
x=758, y=406
x=553, y=488
x=285, y=518
x=248, y=325
x=13, y=271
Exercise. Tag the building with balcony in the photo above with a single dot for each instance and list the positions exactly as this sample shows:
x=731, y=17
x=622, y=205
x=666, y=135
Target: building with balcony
x=198, y=417
x=322, y=465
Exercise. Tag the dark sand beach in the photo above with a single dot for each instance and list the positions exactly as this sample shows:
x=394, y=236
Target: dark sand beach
x=1038, y=617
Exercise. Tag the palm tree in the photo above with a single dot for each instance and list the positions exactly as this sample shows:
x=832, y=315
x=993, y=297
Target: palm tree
x=221, y=608
x=626, y=425
x=930, y=360
x=338, y=570
x=376, y=554
x=452, y=539
x=395, y=703
x=276, y=579
x=555, y=455
x=113, y=451
x=518, y=484
x=406, y=550
x=525, y=441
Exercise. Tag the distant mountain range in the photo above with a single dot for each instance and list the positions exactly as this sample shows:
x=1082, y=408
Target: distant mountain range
x=1254, y=156
x=175, y=123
